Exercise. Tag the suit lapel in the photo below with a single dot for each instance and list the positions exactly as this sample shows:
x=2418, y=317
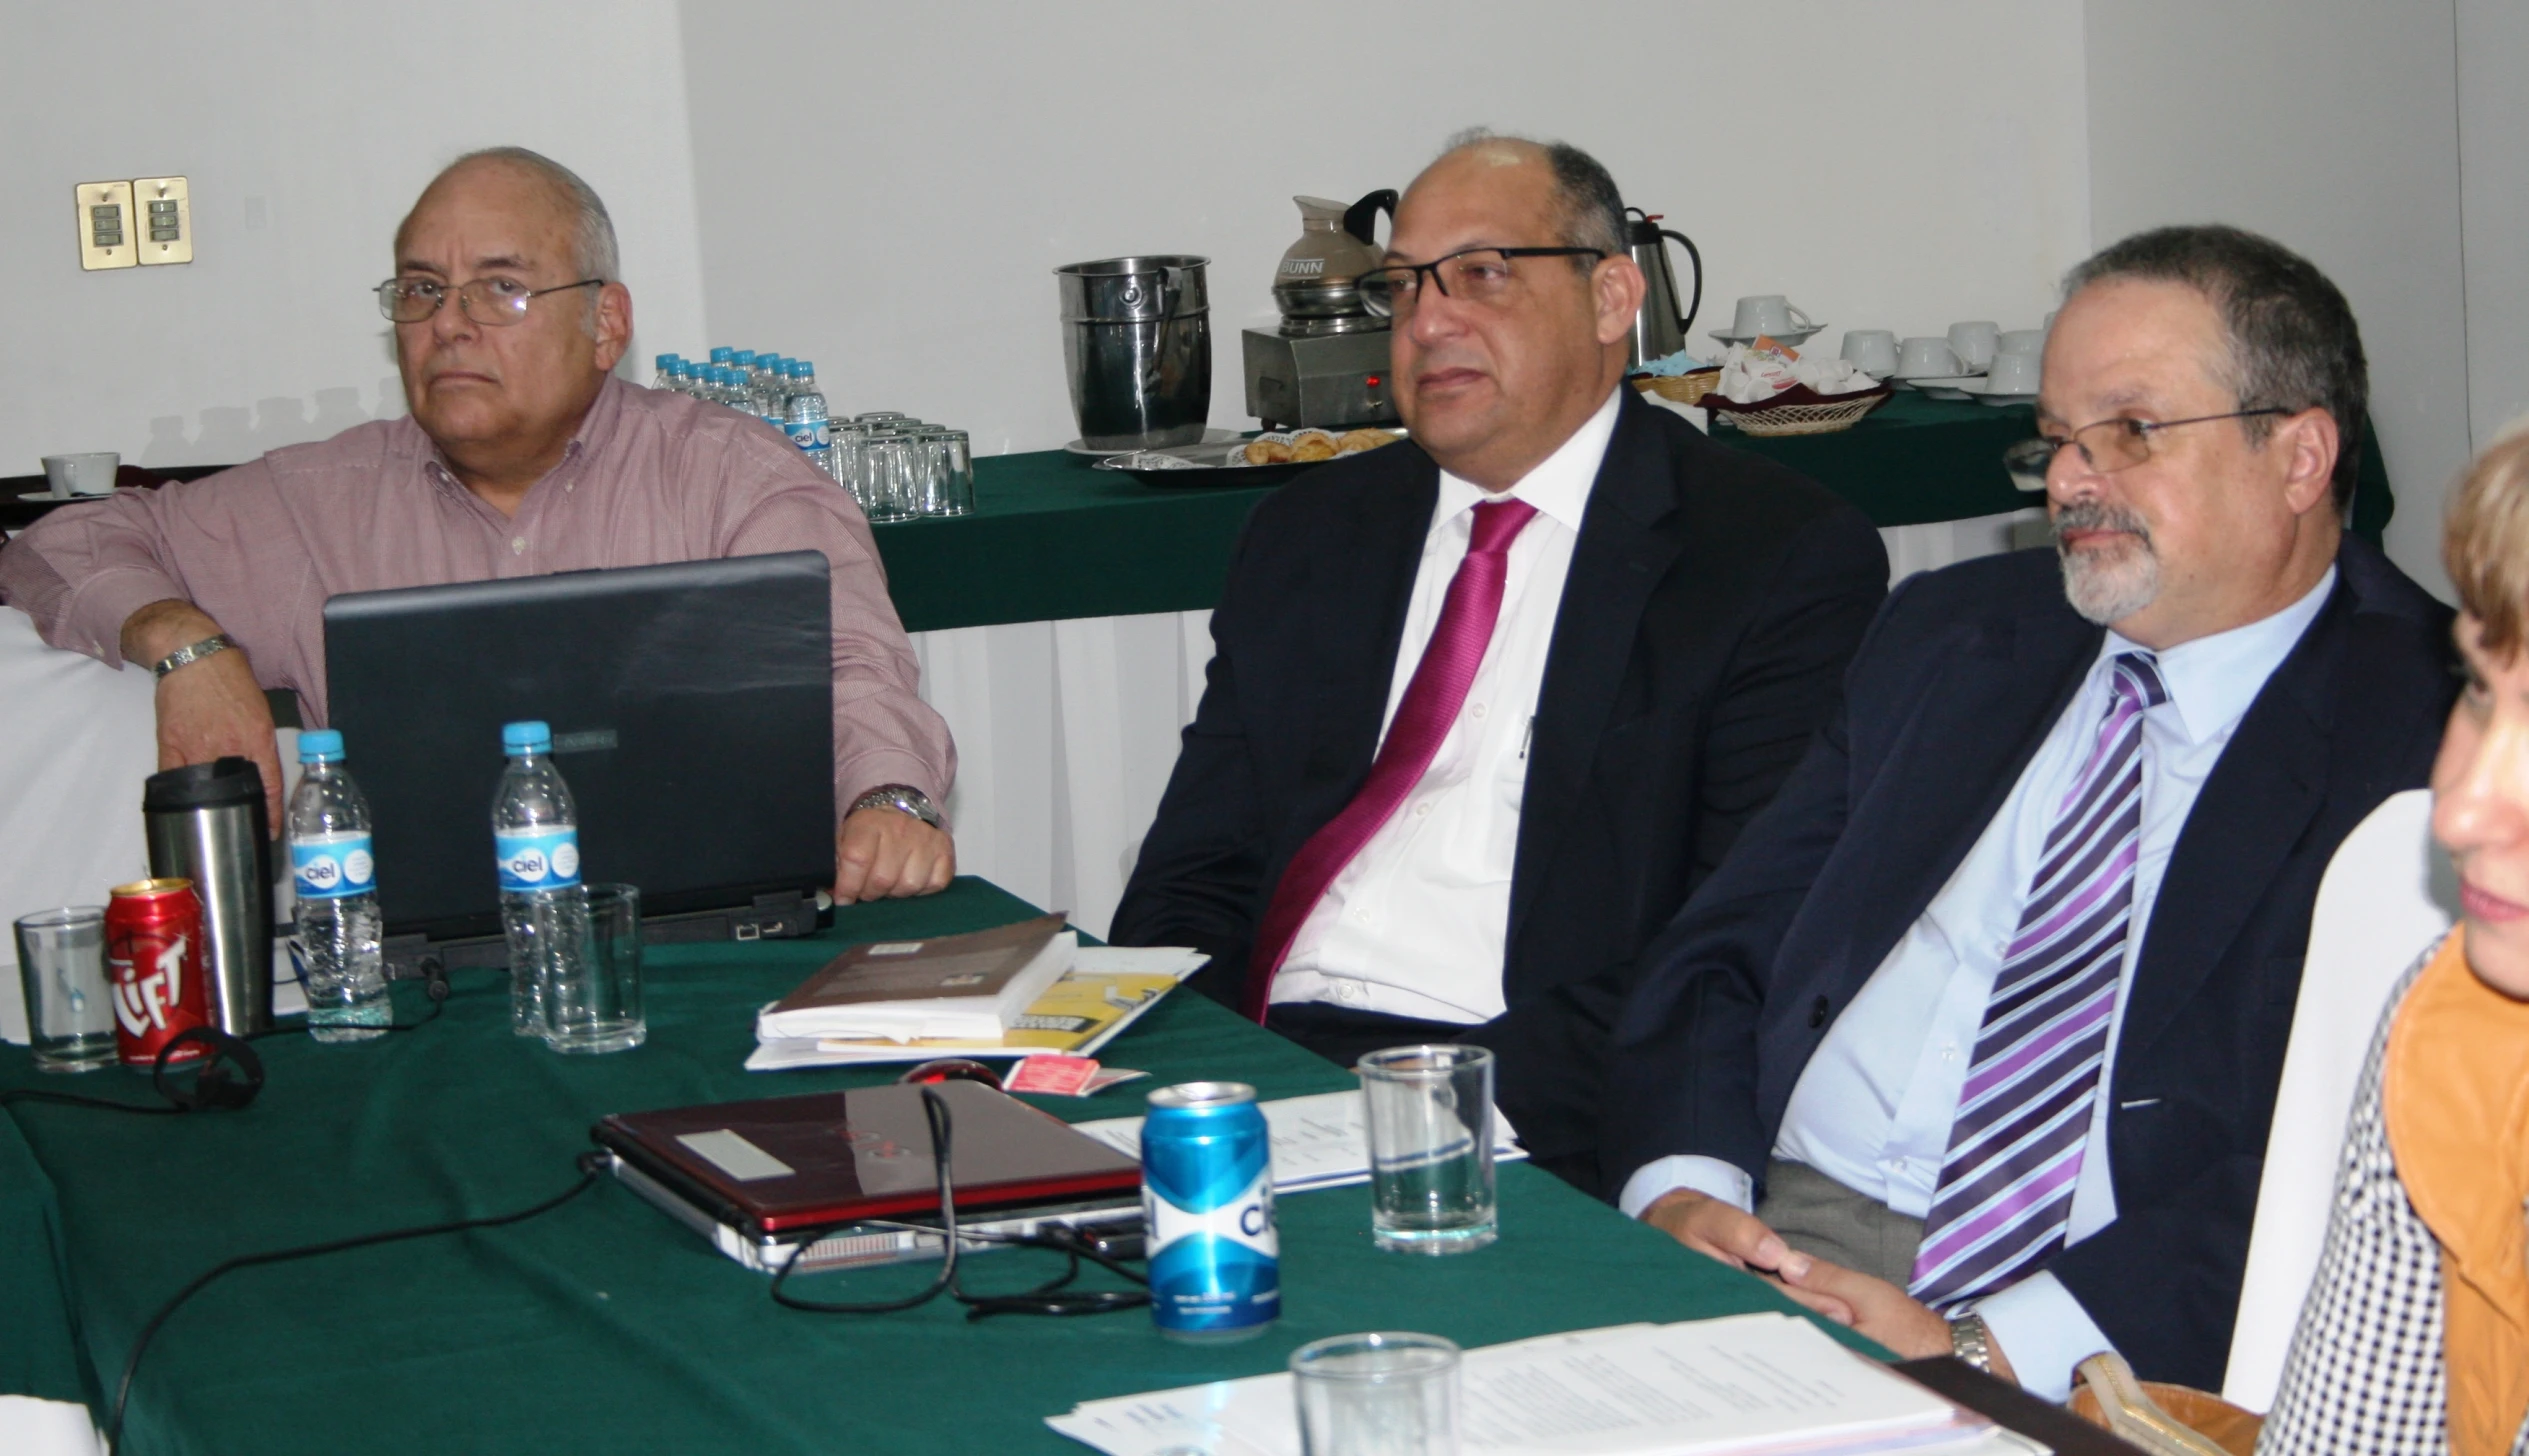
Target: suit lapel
x=1952, y=769
x=1628, y=541
x=1362, y=583
x=2263, y=792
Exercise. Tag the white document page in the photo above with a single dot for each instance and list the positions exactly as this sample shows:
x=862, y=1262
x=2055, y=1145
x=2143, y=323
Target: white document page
x=1761, y=1383
x=1318, y=1142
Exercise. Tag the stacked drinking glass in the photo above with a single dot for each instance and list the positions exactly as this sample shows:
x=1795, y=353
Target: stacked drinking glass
x=901, y=469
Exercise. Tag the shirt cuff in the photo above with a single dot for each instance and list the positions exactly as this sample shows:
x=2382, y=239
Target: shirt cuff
x=2043, y=1331
x=1711, y=1177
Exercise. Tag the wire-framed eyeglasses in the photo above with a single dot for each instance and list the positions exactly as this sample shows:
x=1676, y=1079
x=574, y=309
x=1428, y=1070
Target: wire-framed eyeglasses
x=2106, y=446
x=1477, y=275
x=494, y=302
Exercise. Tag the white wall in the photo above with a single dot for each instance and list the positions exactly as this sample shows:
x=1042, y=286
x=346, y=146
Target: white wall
x=2331, y=126
x=944, y=158
x=2494, y=206
x=306, y=130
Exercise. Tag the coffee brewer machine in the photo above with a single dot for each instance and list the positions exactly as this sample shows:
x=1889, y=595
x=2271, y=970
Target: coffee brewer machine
x=1326, y=366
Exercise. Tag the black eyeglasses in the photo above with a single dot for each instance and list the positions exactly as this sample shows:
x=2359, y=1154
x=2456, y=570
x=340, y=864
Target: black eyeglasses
x=2106, y=446
x=494, y=302
x=1478, y=275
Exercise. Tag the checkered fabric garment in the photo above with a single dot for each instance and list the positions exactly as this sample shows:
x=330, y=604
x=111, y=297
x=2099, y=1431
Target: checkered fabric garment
x=2365, y=1372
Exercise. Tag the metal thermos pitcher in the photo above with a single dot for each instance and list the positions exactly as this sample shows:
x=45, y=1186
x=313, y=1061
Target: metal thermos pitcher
x=1659, y=329
x=206, y=823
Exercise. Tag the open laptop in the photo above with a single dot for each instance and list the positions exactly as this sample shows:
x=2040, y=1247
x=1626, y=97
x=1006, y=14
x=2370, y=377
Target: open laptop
x=692, y=713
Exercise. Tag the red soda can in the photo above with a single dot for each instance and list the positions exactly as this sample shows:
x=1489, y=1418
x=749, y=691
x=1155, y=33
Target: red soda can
x=155, y=959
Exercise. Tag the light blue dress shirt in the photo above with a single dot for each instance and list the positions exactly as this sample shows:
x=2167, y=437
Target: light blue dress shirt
x=1873, y=1108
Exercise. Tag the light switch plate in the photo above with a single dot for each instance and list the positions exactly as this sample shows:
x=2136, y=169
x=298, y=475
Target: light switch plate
x=107, y=238
x=162, y=212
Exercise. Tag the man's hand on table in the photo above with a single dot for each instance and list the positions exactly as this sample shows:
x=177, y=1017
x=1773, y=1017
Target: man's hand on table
x=1888, y=1314
x=211, y=707
x=1719, y=1230
x=888, y=854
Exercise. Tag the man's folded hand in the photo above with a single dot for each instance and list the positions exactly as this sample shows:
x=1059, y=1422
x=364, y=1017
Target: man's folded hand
x=883, y=853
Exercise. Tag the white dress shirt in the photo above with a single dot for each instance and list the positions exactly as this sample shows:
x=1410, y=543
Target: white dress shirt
x=1873, y=1108
x=1416, y=924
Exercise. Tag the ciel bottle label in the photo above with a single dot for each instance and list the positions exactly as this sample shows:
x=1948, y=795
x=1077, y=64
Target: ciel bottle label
x=327, y=866
x=544, y=858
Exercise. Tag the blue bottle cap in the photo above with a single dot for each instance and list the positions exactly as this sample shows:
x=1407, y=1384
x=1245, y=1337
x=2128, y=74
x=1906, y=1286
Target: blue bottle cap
x=802, y=369
x=665, y=360
x=533, y=736
x=720, y=356
x=741, y=358
x=320, y=745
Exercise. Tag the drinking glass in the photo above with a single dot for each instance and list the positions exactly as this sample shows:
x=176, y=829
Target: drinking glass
x=1382, y=1394
x=1430, y=1119
x=69, y=1007
x=599, y=1008
x=948, y=476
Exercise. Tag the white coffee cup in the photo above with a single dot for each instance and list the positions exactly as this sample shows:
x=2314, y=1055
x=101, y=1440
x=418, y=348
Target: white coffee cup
x=1974, y=343
x=1927, y=358
x=2031, y=342
x=1768, y=313
x=2012, y=374
x=87, y=473
x=1872, y=351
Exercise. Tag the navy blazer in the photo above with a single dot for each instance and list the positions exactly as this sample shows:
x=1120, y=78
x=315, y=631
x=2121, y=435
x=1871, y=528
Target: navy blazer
x=1712, y=603
x=1961, y=679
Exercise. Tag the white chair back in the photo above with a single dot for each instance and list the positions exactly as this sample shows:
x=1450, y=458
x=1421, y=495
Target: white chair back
x=2387, y=895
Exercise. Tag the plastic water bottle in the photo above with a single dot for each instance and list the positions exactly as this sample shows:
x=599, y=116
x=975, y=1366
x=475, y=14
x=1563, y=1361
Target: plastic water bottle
x=666, y=377
x=335, y=874
x=544, y=908
x=720, y=357
x=805, y=419
x=765, y=398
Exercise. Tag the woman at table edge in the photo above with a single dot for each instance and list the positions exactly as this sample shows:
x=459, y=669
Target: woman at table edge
x=2415, y=1335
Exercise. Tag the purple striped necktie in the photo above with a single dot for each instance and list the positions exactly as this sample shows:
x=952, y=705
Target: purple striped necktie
x=2005, y=1192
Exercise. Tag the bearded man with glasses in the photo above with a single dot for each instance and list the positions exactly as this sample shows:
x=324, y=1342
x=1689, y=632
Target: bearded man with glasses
x=1485, y=706
x=523, y=455
x=1973, y=1041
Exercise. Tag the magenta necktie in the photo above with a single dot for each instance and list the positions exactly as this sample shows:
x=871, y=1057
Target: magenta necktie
x=1431, y=704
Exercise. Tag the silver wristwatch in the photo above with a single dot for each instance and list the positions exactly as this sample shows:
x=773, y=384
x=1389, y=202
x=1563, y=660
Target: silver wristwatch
x=1970, y=1341
x=192, y=652
x=904, y=799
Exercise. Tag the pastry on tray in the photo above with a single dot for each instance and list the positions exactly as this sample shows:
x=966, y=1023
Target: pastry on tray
x=1313, y=445
x=1354, y=441
x=1268, y=451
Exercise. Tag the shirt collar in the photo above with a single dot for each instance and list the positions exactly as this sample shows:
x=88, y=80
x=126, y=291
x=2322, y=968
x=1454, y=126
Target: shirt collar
x=599, y=421
x=1560, y=485
x=2212, y=680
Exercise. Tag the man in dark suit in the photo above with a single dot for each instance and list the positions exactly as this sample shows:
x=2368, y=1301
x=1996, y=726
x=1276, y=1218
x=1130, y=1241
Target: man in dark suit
x=1974, y=1039
x=1484, y=707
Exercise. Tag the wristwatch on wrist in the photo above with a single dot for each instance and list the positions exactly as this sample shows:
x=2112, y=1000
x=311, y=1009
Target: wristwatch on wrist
x=192, y=652
x=1970, y=1341
x=904, y=799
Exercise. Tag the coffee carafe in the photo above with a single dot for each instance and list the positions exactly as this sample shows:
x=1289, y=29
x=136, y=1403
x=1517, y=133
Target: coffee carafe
x=1326, y=364
x=1338, y=243
x=1659, y=330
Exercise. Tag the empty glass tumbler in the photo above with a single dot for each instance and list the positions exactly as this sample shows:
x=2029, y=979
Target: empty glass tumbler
x=69, y=1006
x=596, y=1006
x=1430, y=1117
x=1380, y=1394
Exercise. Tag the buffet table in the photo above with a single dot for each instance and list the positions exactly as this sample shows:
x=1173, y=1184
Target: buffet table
x=605, y=1326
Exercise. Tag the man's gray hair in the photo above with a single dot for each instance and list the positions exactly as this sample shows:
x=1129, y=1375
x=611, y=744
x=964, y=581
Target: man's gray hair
x=1593, y=211
x=2290, y=335
x=592, y=231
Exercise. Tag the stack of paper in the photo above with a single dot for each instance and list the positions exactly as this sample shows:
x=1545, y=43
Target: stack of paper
x=1750, y=1385
x=1096, y=993
x=1318, y=1142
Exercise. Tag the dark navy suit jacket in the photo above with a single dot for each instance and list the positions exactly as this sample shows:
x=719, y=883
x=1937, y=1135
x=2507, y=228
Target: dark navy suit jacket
x=1712, y=603
x=1961, y=678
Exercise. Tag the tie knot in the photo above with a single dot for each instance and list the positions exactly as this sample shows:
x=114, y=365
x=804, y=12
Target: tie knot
x=2138, y=679
x=1497, y=524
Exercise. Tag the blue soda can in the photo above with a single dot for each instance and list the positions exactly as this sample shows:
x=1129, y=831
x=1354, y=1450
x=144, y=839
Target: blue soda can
x=1207, y=1197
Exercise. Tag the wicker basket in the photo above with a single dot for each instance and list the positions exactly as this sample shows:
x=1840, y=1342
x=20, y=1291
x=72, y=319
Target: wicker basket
x=1800, y=410
x=1688, y=388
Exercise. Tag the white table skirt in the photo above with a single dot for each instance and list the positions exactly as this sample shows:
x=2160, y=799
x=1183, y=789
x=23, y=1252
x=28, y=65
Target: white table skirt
x=1066, y=730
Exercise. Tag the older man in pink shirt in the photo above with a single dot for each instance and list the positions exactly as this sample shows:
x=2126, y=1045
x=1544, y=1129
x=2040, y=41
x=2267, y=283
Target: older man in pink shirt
x=523, y=455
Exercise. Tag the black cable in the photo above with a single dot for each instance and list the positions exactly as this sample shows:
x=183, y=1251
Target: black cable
x=589, y=1164
x=1049, y=1298
x=934, y=1111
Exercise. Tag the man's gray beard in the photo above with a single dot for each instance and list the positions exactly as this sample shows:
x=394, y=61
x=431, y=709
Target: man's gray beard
x=2100, y=588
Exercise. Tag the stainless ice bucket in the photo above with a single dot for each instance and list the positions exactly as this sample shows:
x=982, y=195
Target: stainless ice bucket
x=1137, y=345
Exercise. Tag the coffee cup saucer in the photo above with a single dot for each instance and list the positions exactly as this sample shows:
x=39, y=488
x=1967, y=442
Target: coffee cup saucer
x=1941, y=386
x=1791, y=337
x=48, y=495
x=1977, y=390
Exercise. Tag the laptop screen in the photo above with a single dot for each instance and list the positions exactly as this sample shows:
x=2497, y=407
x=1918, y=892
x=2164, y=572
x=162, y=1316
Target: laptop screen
x=692, y=714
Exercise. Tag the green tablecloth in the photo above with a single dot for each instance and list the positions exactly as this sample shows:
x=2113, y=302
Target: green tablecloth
x=603, y=1326
x=1052, y=537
